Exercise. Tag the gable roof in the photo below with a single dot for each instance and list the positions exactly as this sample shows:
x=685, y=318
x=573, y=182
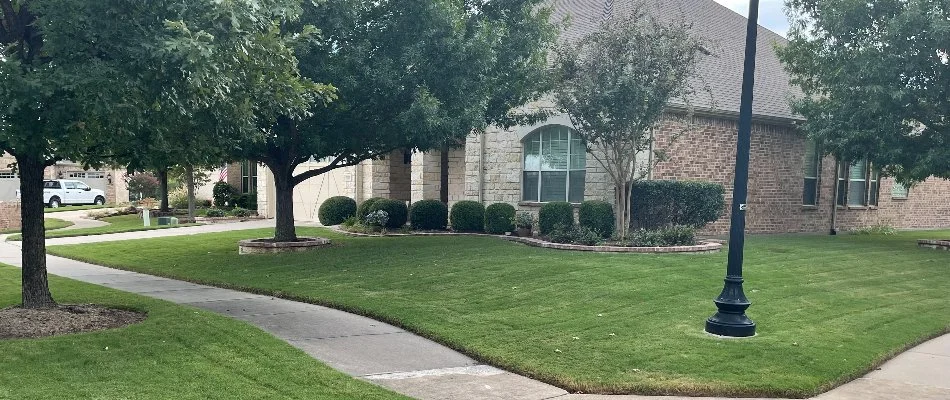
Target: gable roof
x=724, y=31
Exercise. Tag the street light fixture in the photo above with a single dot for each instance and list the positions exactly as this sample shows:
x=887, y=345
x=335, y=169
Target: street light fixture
x=731, y=320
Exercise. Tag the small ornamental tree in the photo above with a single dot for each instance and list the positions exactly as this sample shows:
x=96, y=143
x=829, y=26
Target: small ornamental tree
x=616, y=85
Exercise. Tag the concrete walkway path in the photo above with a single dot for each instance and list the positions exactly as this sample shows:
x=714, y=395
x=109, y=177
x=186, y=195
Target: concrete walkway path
x=78, y=218
x=155, y=233
x=417, y=367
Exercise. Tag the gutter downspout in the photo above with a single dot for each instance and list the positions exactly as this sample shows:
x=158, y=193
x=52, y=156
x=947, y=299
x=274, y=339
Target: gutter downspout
x=834, y=201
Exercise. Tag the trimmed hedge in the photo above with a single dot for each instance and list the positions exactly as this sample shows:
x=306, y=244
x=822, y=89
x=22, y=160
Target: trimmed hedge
x=428, y=215
x=365, y=206
x=553, y=214
x=336, y=209
x=499, y=218
x=468, y=216
x=597, y=216
x=222, y=192
x=660, y=204
x=397, y=210
x=245, y=200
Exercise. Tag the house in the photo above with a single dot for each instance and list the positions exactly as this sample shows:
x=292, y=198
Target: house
x=791, y=188
x=109, y=180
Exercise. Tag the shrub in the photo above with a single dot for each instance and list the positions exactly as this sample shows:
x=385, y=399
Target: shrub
x=429, y=214
x=659, y=204
x=524, y=220
x=143, y=184
x=204, y=203
x=222, y=192
x=578, y=235
x=364, y=207
x=245, y=200
x=215, y=213
x=241, y=212
x=377, y=218
x=350, y=222
x=468, y=216
x=597, y=216
x=336, y=209
x=554, y=213
x=498, y=218
x=560, y=233
x=178, y=198
x=679, y=235
x=396, y=210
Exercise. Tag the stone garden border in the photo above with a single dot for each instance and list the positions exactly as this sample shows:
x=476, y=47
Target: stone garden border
x=268, y=246
x=702, y=248
x=934, y=244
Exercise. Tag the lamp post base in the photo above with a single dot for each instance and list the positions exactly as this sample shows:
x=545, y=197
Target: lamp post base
x=731, y=325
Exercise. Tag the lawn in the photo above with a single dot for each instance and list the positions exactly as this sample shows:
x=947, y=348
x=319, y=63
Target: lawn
x=50, y=224
x=177, y=353
x=828, y=309
x=75, y=208
x=117, y=224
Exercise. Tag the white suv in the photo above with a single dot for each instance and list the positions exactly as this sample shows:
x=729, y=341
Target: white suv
x=61, y=191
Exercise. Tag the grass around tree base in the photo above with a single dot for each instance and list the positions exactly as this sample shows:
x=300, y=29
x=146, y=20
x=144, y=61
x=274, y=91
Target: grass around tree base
x=176, y=353
x=117, y=224
x=50, y=224
x=828, y=309
x=75, y=208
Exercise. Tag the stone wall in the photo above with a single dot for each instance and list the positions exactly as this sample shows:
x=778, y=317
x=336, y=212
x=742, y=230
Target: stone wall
x=427, y=175
x=9, y=215
x=706, y=152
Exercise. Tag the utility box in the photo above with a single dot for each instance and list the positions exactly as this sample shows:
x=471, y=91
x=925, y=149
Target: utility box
x=167, y=221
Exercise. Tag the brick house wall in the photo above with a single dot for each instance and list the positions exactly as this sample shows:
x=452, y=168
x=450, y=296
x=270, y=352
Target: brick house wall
x=707, y=153
x=9, y=215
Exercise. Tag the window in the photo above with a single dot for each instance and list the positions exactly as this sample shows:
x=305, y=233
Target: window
x=898, y=191
x=812, y=168
x=80, y=175
x=248, y=177
x=555, y=161
x=87, y=175
x=51, y=185
x=858, y=184
x=7, y=175
x=81, y=186
x=69, y=185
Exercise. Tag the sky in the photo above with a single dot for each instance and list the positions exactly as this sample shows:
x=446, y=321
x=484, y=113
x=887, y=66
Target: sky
x=770, y=13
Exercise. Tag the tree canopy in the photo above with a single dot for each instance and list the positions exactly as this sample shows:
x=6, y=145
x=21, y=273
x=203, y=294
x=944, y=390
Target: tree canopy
x=876, y=81
x=406, y=74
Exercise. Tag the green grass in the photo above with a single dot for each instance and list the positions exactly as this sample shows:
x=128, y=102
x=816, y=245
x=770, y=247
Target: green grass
x=176, y=353
x=75, y=208
x=50, y=224
x=828, y=309
x=117, y=224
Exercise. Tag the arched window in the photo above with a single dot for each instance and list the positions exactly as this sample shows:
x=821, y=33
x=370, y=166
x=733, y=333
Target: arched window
x=554, y=165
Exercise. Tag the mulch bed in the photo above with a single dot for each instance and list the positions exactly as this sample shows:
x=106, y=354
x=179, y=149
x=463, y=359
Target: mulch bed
x=21, y=323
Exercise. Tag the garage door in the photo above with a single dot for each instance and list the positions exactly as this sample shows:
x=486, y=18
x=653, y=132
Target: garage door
x=310, y=194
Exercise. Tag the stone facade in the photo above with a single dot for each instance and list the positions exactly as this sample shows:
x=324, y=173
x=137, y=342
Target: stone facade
x=427, y=175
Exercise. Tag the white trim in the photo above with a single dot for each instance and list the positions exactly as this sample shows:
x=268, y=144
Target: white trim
x=560, y=119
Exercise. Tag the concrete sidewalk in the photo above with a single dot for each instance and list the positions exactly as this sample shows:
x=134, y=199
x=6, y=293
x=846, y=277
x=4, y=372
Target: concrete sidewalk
x=156, y=233
x=417, y=367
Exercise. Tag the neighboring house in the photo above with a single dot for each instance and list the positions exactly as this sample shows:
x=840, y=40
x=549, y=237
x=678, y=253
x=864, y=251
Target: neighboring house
x=109, y=180
x=791, y=189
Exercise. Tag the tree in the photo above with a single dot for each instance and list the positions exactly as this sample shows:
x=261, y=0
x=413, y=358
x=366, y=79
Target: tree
x=81, y=81
x=876, y=81
x=406, y=74
x=142, y=184
x=616, y=84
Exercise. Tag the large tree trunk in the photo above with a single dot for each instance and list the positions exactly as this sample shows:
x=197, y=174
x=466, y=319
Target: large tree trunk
x=283, y=183
x=35, y=287
x=163, y=188
x=190, y=183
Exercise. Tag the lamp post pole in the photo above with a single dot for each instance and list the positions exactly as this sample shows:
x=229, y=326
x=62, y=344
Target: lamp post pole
x=730, y=319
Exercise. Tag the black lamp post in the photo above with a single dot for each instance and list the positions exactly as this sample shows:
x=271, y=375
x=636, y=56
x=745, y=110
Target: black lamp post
x=731, y=320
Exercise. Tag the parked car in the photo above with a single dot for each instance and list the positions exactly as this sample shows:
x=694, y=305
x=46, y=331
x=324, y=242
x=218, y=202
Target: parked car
x=61, y=191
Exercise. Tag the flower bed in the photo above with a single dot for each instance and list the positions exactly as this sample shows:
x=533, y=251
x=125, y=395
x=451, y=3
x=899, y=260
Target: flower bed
x=701, y=247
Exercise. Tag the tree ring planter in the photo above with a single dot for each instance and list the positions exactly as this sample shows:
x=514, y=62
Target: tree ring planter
x=266, y=246
x=702, y=247
x=934, y=244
